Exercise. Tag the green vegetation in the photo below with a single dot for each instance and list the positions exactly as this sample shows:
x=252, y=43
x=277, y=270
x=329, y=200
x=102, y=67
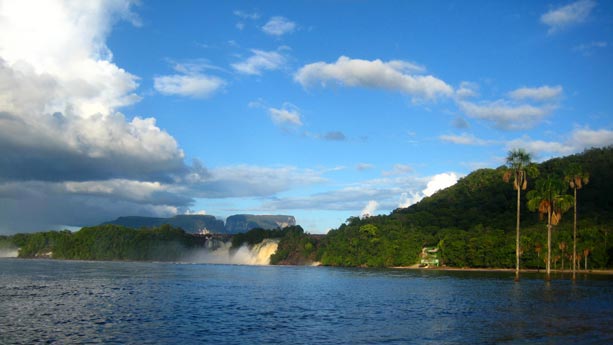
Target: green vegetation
x=474, y=224
x=549, y=198
x=520, y=167
x=257, y=235
x=576, y=177
x=106, y=242
x=295, y=248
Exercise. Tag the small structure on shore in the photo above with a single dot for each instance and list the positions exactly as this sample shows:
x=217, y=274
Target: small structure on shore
x=429, y=257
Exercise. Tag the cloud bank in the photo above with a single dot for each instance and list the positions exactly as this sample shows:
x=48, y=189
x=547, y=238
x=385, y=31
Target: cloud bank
x=525, y=108
x=579, y=140
x=279, y=26
x=566, y=16
x=259, y=62
x=69, y=156
x=393, y=75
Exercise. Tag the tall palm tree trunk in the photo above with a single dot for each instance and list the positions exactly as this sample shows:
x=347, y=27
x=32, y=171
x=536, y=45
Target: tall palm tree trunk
x=548, y=276
x=517, y=236
x=575, y=236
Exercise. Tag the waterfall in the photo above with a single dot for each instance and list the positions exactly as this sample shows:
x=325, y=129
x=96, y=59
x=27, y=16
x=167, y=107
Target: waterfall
x=219, y=252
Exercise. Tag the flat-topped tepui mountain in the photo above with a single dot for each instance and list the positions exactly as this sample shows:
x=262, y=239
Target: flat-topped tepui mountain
x=195, y=223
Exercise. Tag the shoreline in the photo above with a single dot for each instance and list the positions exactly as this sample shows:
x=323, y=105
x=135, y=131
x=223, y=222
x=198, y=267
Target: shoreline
x=511, y=270
x=413, y=267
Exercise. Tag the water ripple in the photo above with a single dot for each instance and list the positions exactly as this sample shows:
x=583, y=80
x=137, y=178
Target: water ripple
x=159, y=303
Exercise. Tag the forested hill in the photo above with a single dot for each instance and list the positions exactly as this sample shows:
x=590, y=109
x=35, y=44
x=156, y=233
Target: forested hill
x=473, y=223
x=483, y=198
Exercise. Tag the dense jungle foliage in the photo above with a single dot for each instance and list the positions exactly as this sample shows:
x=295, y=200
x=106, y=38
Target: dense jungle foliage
x=295, y=248
x=473, y=224
x=106, y=242
x=257, y=235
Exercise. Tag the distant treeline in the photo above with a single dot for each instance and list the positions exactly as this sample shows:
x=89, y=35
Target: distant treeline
x=116, y=242
x=472, y=223
x=106, y=242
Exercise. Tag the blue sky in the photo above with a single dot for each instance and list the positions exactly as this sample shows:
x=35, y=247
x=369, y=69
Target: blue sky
x=318, y=109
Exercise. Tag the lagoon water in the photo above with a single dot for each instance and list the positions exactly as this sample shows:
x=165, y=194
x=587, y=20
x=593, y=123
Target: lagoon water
x=45, y=301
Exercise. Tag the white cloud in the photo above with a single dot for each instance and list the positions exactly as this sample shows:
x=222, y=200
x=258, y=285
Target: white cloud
x=467, y=90
x=464, y=139
x=191, y=81
x=586, y=138
x=288, y=115
x=539, y=147
x=364, y=166
x=198, y=212
x=391, y=75
x=386, y=191
x=279, y=26
x=408, y=199
x=58, y=95
x=65, y=44
x=68, y=155
x=195, y=85
x=260, y=61
x=369, y=209
x=506, y=115
x=399, y=169
x=144, y=192
x=566, y=16
x=578, y=140
x=247, y=15
x=440, y=181
x=250, y=181
x=540, y=94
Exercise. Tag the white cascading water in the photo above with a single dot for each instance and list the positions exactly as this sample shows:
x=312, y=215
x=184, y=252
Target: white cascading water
x=258, y=254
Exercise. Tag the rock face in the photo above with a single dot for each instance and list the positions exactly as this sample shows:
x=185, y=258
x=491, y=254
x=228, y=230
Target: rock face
x=194, y=223
x=189, y=223
x=245, y=222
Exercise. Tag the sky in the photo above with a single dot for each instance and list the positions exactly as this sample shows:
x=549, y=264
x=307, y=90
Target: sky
x=323, y=110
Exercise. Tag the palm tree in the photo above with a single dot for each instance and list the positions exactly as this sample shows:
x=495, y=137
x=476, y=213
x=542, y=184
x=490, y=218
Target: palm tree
x=519, y=166
x=548, y=198
x=586, y=252
x=538, y=248
x=562, y=246
x=576, y=178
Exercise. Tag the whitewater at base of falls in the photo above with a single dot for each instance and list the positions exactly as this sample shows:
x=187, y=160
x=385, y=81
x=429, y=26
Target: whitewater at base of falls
x=258, y=254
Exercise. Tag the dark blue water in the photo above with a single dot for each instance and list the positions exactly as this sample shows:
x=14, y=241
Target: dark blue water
x=160, y=303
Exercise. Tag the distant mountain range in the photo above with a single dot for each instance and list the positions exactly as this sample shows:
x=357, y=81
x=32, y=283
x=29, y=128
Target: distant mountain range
x=194, y=223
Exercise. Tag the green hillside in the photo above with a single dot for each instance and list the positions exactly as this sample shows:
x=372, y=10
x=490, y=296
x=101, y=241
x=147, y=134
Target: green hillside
x=473, y=223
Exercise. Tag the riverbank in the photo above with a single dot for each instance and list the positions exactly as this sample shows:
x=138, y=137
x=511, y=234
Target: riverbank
x=471, y=269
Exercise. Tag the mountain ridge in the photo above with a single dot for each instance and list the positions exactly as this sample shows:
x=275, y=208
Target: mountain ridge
x=195, y=223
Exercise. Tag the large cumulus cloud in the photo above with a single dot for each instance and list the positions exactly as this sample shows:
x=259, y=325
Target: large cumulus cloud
x=68, y=156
